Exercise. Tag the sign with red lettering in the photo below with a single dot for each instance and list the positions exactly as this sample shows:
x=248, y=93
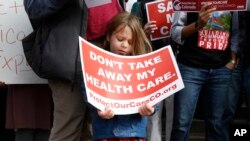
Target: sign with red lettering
x=162, y=12
x=221, y=5
x=14, y=26
x=125, y=83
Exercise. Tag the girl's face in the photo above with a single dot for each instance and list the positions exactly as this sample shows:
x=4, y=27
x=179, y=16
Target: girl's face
x=121, y=41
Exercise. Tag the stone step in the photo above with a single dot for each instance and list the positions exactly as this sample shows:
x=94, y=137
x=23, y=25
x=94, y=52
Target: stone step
x=198, y=126
x=197, y=131
x=197, y=137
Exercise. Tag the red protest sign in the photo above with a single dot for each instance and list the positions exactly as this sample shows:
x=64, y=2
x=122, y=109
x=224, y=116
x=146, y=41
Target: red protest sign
x=221, y=5
x=162, y=12
x=125, y=83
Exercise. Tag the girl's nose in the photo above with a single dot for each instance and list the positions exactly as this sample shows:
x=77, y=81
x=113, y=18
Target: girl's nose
x=124, y=44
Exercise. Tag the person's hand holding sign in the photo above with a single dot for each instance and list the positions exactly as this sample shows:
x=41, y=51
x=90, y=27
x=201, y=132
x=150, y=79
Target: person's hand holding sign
x=150, y=27
x=204, y=15
x=106, y=113
x=146, y=110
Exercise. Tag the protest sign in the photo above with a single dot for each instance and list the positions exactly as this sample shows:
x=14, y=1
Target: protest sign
x=14, y=26
x=125, y=83
x=162, y=12
x=221, y=5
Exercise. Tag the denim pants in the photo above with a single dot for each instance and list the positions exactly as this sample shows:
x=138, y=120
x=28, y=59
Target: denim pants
x=234, y=93
x=215, y=82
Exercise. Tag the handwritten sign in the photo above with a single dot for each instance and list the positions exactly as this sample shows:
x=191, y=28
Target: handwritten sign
x=221, y=5
x=14, y=26
x=125, y=83
x=162, y=12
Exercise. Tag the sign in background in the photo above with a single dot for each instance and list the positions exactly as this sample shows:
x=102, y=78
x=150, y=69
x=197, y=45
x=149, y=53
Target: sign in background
x=221, y=5
x=14, y=26
x=162, y=12
x=125, y=83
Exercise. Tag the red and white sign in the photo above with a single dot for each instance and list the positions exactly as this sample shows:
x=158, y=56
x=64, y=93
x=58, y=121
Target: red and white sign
x=162, y=12
x=125, y=83
x=221, y=5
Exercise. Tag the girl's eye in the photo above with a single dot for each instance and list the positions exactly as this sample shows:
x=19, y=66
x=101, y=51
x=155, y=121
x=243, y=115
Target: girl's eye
x=119, y=39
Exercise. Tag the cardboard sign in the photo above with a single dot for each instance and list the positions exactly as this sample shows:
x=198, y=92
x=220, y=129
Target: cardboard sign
x=14, y=26
x=125, y=83
x=162, y=12
x=221, y=5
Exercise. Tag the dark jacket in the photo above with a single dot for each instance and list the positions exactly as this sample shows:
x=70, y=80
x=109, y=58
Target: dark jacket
x=244, y=38
x=62, y=21
x=58, y=26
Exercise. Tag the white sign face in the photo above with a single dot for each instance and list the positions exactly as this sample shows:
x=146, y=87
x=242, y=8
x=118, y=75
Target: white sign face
x=14, y=26
x=94, y=3
x=125, y=83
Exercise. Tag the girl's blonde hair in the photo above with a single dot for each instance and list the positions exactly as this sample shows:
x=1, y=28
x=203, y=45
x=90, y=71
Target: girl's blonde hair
x=140, y=42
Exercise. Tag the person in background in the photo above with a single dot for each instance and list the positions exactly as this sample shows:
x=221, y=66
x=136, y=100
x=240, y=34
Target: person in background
x=122, y=38
x=239, y=82
x=8, y=135
x=245, y=31
x=29, y=111
x=70, y=19
x=204, y=62
x=235, y=86
x=154, y=128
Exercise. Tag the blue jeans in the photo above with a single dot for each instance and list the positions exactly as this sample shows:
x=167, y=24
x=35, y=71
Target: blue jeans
x=246, y=79
x=234, y=93
x=215, y=82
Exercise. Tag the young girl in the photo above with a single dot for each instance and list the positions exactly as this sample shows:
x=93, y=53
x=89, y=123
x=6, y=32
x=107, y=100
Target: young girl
x=125, y=37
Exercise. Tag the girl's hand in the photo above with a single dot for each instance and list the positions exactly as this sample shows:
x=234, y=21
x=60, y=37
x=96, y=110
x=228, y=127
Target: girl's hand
x=106, y=114
x=150, y=27
x=2, y=84
x=146, y=110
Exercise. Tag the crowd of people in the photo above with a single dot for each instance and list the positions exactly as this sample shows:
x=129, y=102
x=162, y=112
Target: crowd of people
x=59, y=111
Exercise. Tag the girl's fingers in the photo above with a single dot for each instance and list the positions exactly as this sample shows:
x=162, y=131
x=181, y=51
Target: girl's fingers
x=146, y=110
x=106, y=113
